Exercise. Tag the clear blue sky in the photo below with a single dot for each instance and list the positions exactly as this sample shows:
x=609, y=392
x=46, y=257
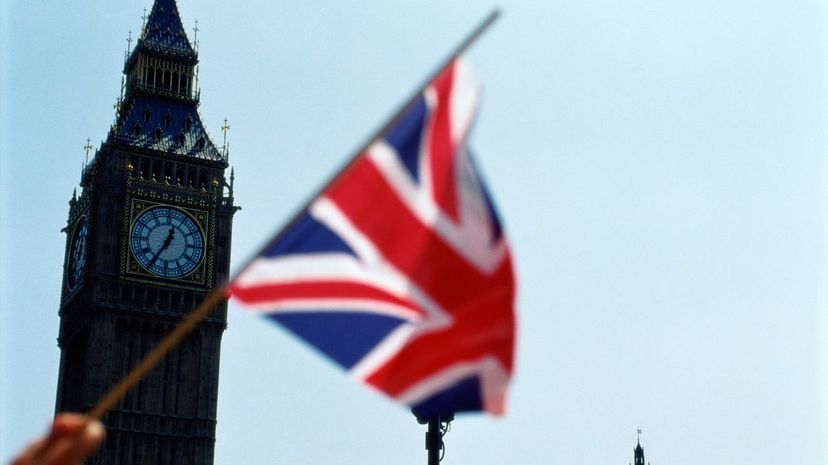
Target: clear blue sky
x=660, y=166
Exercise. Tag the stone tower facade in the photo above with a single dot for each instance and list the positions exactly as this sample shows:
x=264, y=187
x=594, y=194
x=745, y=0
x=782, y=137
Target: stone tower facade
x=148, y=237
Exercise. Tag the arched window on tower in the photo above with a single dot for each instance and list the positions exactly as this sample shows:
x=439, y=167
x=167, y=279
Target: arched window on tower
x=183, y=84
x=166, y=84
x=149, y=76
x=175, y=82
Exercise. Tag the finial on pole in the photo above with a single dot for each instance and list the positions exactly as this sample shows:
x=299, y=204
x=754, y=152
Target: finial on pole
x=195, y=35
x=224, y=129
x=143, y=22
x=87, y=148
x=129, y=46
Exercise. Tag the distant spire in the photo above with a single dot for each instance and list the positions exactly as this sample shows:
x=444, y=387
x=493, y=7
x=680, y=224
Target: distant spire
x=638, y=451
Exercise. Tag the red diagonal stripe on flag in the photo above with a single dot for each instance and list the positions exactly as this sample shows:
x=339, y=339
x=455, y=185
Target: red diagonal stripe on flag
x=323, y=289
x=442, y=147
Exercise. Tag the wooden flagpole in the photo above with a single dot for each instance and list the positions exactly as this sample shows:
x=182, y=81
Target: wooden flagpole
x=171, y=340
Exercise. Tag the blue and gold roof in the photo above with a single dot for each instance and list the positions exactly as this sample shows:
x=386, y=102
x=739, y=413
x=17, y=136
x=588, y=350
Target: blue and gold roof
x=159, y=114
x=165, y=125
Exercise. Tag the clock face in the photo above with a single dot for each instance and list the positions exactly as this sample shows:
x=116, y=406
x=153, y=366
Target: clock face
x=167, y=242
x=78, y=251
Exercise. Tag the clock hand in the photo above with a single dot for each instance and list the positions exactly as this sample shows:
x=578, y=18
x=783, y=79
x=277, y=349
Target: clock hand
x=164, y=247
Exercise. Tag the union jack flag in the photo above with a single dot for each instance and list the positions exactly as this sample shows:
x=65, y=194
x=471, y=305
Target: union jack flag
x=399, y=270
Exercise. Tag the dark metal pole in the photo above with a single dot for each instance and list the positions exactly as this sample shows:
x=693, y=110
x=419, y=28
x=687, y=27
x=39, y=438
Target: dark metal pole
x=434, y=440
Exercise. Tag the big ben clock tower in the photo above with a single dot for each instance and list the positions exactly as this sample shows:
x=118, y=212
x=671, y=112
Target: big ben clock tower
x=148, y=237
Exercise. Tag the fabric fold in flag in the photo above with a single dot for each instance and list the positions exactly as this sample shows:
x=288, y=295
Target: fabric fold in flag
x=399, y=271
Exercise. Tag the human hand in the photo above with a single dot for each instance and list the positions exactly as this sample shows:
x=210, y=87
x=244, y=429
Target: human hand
x=72, y=438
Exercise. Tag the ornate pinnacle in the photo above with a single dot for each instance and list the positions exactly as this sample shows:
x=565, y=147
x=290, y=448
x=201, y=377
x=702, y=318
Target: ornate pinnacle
x=224, y=129
x=195, y=35
x=129, y=45
x=87, y=147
